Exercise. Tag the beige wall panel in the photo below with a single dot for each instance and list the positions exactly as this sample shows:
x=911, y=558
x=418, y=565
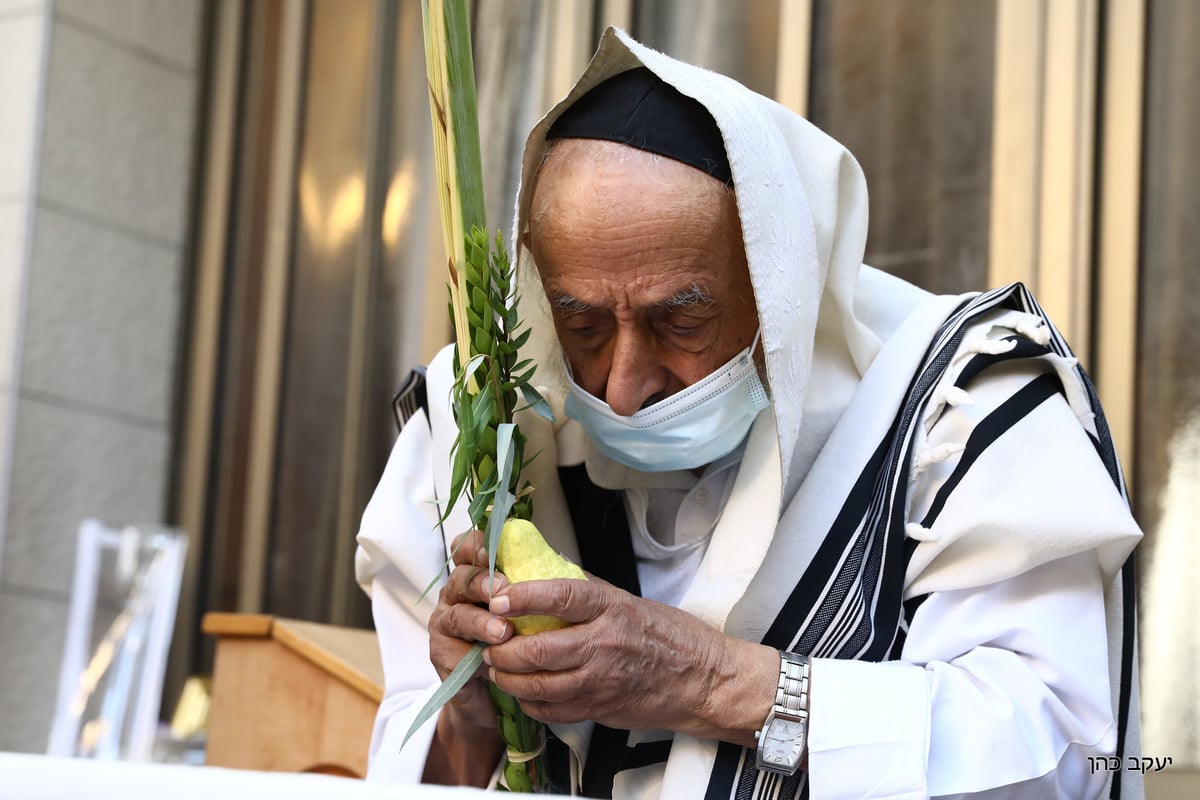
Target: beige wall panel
x=1068, y=118
x=1016, y=134
x=907, y=86
x=795, y=54
x=1115, y=358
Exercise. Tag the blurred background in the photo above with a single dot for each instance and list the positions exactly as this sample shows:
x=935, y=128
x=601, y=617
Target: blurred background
x=220, y=255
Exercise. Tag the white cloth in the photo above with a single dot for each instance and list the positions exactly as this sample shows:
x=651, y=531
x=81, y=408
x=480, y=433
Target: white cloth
x=1004, y=683
x=671, y=519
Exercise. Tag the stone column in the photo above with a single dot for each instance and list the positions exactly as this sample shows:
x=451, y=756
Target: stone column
x=100, y=100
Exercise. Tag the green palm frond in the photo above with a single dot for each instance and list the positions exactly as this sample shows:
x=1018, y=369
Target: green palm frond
x=490, y=378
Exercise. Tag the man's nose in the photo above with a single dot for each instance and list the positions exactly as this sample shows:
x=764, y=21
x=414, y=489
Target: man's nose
x=634, y=378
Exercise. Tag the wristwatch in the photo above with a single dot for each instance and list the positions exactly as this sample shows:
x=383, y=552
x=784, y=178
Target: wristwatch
x=784, y=735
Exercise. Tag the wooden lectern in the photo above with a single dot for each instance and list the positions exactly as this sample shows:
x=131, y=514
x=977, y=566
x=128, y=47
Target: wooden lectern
x=292, y=696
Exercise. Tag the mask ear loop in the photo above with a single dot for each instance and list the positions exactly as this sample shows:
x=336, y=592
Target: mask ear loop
x=754, y=344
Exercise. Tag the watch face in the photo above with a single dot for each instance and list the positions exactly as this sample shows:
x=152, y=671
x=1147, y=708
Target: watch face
x=782, y=743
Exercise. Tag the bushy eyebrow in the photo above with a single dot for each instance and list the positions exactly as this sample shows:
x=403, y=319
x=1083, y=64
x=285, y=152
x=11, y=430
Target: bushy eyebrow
x=691, y=297
x=566, y=302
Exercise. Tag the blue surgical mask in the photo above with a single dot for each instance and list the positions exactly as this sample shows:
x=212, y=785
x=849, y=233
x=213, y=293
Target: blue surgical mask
x=689, y=429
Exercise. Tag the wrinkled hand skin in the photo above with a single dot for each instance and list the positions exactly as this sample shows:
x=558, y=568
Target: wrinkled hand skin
x=467, y=745
x=630, y=663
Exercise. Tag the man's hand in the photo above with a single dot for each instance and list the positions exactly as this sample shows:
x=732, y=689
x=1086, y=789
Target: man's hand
x=467, y=745
x=630, y=663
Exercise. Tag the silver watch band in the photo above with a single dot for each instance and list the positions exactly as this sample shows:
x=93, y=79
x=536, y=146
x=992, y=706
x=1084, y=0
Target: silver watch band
x=792, y=694
x=784, y=735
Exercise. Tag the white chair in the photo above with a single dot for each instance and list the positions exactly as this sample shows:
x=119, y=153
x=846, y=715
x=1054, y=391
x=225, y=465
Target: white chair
x=123, y=602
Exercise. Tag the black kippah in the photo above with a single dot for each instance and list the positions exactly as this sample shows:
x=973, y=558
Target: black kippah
x=640, y=109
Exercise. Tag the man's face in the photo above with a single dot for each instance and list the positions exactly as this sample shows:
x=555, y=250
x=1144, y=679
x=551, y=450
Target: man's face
x=643, y=262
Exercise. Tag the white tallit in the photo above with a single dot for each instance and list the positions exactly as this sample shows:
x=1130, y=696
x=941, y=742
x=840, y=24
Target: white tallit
x=842, y=344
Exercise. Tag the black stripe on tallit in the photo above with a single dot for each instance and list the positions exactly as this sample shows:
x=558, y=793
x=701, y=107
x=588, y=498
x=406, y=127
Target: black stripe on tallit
x=646, y=754
x=410, y=398
x=812, y=595
x=605, y=550
x=725, y=771
x=991, y=428
x=863, y=577
x=1108, y=455
x=876, y=575
x=811, y=585
x=601, y=529
x=1128, y=637
x=605, y=758
x=1024, y=348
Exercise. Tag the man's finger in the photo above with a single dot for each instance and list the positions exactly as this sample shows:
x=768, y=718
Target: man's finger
x=468, y=548
x=551, y=651
x=569, y=599
x=445, y=653
x=468, y=623
x=471, y=584
x=545, y=687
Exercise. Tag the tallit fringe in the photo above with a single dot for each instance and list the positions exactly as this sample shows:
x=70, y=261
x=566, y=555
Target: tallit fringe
x=1033, y=328
x=990, y=346
x=936, y=455
x=917, y=531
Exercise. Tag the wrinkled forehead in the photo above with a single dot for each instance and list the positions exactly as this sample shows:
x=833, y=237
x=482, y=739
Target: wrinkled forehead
x=615, y=185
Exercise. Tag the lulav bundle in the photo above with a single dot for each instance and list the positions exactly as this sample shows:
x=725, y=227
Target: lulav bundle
x=489, y=452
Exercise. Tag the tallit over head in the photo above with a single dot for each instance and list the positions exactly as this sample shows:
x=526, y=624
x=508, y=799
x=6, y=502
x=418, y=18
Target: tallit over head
x=802, y=202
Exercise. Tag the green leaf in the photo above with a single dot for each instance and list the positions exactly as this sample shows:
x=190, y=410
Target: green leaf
x=428, y=589
x=487, y=445
x=482, y=340
x=503, y=499
x=536, y=402
x=517, y=776
x=461, y=470
x=520, y=341
x=477, y=510
x=473, y=365
x=503, y=701
x=479, y=302
x=457, y=679
x=486, y=467
x=484, y=411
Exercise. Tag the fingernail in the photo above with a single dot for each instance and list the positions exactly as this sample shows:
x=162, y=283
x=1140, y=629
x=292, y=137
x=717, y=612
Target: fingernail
x=487, y=656
x=496, y=628
x=492, y=674
x=499, y=605
x=481, y=556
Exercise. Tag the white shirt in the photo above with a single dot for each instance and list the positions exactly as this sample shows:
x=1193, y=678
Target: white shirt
x=671, y=518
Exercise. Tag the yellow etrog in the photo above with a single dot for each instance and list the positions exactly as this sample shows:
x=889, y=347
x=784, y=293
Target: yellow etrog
x=523, y=555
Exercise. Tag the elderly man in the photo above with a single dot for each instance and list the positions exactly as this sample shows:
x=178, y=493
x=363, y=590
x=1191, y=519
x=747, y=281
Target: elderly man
x=851, y=540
